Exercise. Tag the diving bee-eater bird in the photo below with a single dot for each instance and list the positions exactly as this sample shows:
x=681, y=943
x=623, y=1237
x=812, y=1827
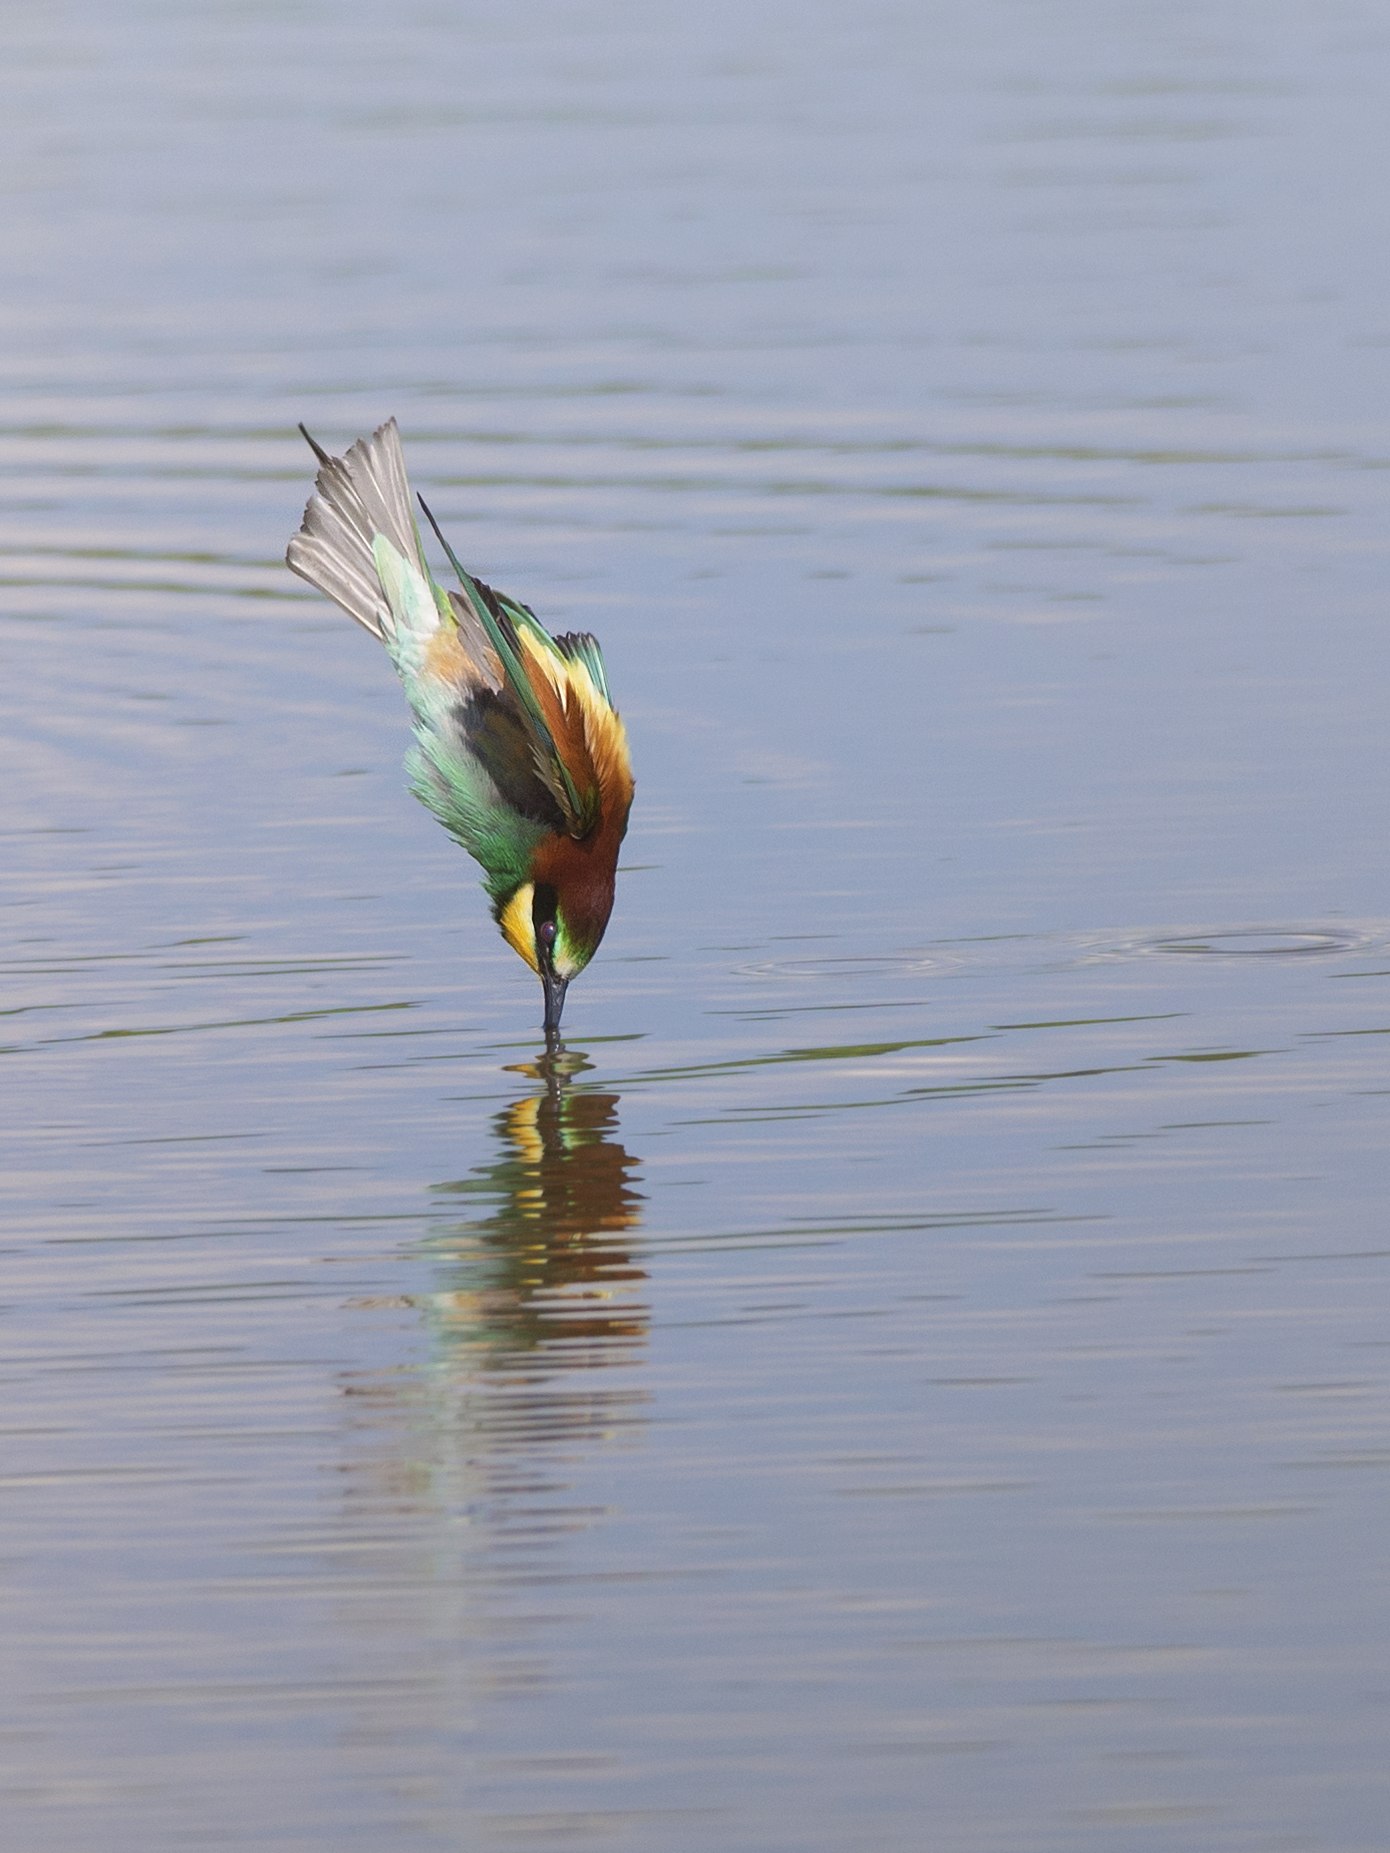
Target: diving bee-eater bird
x=518, y=750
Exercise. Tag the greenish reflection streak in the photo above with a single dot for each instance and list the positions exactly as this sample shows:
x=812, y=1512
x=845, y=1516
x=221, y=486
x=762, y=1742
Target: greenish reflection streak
x=1221, y=1055
x=983, y=1084
x=853, y=1051
x=185, y=1029
x=1160, y=1016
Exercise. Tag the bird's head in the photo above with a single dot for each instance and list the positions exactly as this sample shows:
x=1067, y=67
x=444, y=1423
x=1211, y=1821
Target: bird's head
x=555, y=921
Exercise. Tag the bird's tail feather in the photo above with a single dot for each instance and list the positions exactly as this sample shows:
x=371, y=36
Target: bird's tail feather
x=356, y=498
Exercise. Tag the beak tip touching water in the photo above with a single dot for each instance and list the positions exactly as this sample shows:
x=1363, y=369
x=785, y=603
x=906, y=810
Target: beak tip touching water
x=555, y=988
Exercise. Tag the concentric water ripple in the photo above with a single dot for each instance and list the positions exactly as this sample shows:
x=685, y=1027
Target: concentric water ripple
x=1060, y=951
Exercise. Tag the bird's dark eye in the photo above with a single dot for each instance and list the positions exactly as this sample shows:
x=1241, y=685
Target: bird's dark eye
x=545, y=932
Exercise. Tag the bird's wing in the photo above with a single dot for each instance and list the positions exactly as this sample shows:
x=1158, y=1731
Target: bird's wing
x=559, y=702
x=577, y=646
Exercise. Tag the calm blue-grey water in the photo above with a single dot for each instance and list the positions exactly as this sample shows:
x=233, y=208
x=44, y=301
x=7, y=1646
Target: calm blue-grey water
x=919, y=1374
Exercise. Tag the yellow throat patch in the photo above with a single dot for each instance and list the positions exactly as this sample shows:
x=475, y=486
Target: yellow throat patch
x=517, y=926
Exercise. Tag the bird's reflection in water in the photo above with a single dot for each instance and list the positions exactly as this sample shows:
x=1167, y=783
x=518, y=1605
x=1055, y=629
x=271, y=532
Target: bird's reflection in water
x=535, y=1277
x=468, y=1480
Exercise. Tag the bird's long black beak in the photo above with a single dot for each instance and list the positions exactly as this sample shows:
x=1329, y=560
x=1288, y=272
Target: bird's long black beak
x=555, y=988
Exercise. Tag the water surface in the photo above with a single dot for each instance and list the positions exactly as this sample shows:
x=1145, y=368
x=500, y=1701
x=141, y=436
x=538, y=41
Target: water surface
x=918, y=1367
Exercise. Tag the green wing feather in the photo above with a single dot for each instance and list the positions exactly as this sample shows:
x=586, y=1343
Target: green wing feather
x=500, y=618
x=471, y=765
x=576, y=646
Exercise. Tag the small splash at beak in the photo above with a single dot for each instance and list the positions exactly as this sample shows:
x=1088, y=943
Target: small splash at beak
x=555, y=988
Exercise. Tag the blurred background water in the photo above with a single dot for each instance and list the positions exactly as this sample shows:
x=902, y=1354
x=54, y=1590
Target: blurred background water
x=920, y=1373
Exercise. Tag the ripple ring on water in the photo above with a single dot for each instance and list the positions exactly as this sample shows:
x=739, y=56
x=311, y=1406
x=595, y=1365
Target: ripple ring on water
x=1257, y=943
